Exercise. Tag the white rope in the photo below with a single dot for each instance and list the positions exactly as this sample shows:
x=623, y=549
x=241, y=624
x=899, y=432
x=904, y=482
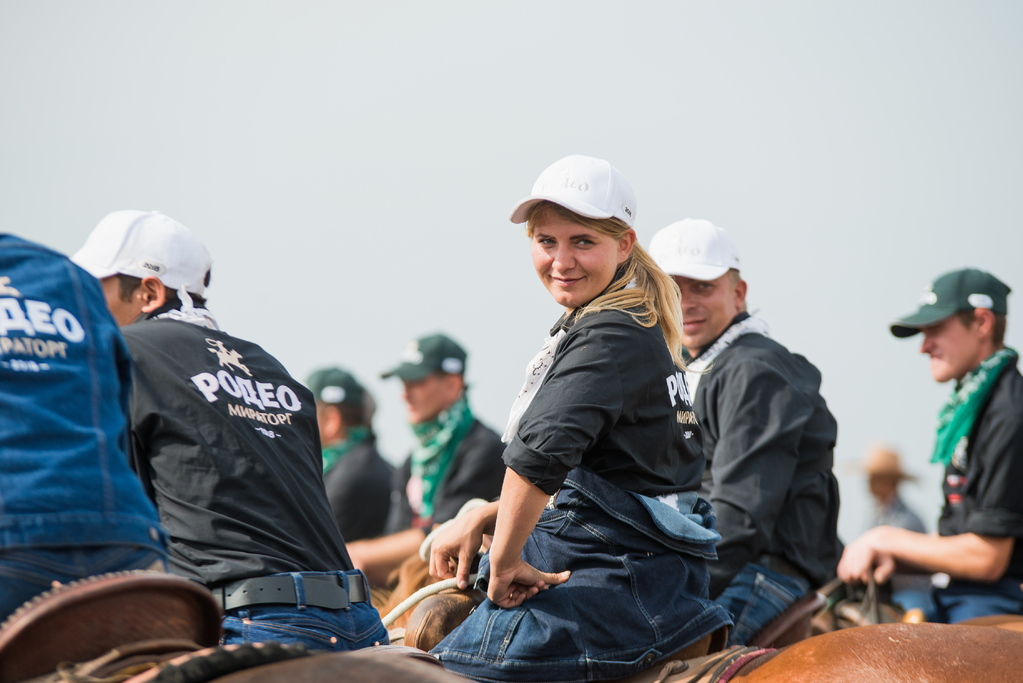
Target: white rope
x=421, y=595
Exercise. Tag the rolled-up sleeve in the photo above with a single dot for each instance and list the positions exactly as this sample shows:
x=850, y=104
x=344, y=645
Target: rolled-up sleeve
x=998, y=510
x=577, y=404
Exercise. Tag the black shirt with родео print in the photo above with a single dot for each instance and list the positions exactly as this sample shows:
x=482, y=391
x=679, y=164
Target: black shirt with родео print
x=613, y=401
x=982, y=494
x=227, y=445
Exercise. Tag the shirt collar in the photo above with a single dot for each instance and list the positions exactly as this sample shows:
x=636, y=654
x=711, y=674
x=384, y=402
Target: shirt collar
x=737, y=319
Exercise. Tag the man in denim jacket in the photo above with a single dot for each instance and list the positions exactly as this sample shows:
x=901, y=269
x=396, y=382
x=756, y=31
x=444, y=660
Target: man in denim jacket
x=70, y=505
x=226, y=443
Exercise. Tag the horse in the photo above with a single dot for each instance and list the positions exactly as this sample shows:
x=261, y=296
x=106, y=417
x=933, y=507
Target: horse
x=107, y=626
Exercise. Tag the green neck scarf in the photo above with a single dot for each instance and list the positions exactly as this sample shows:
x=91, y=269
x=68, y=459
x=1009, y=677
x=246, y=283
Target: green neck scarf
x=332, y=455
x=957, y=417
x=438, y=440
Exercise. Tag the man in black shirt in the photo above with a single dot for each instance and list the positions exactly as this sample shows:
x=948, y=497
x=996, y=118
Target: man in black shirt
x=767, y=433
x=357, y=478
x=458, y=458
x=226, y=444
x=962, y=316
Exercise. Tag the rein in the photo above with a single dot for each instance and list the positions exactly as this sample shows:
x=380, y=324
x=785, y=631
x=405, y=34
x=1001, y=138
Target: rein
x=421, y=595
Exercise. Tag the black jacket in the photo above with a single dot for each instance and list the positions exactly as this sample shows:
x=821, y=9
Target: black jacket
x=359, y=491
x=984, y=496
x=614, y=401
x=476, y=471
x=769, y=440
x=226, y=443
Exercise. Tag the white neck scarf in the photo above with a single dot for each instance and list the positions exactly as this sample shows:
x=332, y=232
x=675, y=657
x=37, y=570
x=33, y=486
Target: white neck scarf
x=189, y=313
x=535, y=372
x=697, y=367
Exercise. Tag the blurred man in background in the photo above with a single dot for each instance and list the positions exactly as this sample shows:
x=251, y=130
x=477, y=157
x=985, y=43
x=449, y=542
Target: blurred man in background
x=457, y=458
x=962, y=316
x=768, y=436
x=884, y=475
x=357, y=479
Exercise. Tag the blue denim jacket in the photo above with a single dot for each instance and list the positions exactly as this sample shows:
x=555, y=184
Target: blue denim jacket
x=638, y=590
x=65, y=479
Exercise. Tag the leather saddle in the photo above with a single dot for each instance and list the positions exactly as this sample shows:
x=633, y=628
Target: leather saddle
x=848, y=605
x=126, y=612
x=792, y=625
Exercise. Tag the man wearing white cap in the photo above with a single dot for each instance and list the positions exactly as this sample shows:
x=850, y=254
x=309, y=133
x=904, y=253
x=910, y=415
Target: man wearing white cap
x=226, y=443
x=768, y=436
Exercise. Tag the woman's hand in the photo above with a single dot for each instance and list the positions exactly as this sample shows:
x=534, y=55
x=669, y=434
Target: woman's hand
x=511, y=586
x=455, y=546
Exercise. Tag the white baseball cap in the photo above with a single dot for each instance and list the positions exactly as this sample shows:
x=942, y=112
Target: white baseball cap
x=146, y=244
x=694, y=248
x=587, y=186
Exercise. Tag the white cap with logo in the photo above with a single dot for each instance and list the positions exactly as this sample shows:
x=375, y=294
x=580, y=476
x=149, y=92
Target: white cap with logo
x=146, y=244
x=587, y=186
x=694, y=248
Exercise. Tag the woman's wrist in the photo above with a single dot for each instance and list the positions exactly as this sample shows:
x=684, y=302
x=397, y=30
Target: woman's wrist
x=485, y=518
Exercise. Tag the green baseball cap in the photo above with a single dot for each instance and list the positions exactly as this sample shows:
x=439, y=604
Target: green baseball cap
x=334, y=385
x=427, y=355
x=960, y=290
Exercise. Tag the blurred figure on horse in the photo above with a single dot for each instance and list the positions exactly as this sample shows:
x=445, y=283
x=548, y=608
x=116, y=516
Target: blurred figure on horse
x=457, y=457
x=962, y=316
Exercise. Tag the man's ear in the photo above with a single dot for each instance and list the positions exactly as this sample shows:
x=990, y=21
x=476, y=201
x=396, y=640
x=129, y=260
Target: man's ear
x=985, y=320
x=740, y=295
x=153, y=294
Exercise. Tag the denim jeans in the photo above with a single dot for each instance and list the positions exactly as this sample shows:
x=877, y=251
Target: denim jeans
x=755, y=596
x=27, y=572
x=963, y=600
x=630, y=602
x=318, y=628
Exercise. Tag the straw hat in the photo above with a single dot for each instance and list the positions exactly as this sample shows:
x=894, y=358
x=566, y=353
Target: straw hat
x=882, y=461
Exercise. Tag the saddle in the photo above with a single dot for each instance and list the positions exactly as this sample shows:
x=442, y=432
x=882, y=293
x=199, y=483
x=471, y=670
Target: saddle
x=126, y=616
x=792, y=625
x=848, y=605
x=719, y=667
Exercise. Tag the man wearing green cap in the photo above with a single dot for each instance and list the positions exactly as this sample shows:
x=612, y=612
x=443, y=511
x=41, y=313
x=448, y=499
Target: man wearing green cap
x=980, y=443
x=457, y=457
x=357, y=479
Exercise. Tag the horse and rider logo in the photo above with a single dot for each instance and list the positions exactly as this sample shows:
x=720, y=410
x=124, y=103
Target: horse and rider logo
x=227, y=358
x=6, y=289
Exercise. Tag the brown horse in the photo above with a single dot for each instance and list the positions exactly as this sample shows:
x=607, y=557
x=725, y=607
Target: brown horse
x=113, y=610
x=922, y=653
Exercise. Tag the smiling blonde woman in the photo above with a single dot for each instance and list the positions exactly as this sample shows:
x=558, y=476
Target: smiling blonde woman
x=598, y=564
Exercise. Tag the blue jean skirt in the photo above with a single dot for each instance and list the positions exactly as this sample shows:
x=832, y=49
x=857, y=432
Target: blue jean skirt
x=630, y=601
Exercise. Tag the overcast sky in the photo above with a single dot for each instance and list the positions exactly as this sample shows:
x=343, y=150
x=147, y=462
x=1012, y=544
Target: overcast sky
x=351, y=168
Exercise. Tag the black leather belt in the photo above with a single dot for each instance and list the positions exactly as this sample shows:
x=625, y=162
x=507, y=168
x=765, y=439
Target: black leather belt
x=777, y=563
x=325, y=591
